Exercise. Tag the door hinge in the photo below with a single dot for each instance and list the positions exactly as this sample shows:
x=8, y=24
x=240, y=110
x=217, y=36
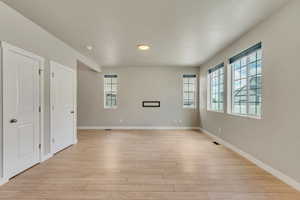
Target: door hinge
x=40, y=71
x=40, y=109
x=53, y=140
x=40, y=146
x=52, y=74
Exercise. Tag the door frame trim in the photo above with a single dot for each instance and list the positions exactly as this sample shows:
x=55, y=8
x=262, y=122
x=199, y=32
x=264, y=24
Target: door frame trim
x=6, y=46
x=75, y=140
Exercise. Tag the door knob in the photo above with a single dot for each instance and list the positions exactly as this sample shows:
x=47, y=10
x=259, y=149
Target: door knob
x=13, y=121
x=72, y=112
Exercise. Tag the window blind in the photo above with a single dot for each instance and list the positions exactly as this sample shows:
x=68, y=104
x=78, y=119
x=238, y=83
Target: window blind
x=215, y=68
x=110, y=76
x=189, y=76
x=245, y=53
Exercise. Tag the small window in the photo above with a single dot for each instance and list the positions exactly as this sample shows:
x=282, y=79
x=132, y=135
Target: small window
x=246, y=82
x=189, y=90
x=110, y=91
x=216, y=88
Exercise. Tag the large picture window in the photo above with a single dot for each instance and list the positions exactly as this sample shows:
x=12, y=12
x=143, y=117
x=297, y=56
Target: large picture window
x=110, y=91
x=189, y=91
x=216, y=88
x=246, y=82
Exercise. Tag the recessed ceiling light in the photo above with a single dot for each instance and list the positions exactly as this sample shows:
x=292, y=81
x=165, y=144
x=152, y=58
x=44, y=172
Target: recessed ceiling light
x=143, y=47
x=90, y=48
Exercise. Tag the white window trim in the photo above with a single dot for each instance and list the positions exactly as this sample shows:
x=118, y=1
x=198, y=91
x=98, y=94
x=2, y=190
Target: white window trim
x=229, y=89
x=229, y=95
x=195, y=94
x=208, y=106
x=104, y=97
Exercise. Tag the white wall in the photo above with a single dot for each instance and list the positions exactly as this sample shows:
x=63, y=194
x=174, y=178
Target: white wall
x=19, y=31
x=275, y=139
x=136, y=85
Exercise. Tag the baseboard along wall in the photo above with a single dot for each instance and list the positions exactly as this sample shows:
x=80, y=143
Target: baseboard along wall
x=278, y=174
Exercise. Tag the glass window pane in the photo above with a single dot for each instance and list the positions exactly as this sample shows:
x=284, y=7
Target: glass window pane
x=259, y=67
x=221, y=89
x=243, y=83
x=186, y=87
x=191, y=87
x=185, y=80
x=237, y=65
x=107, y=81
x=106, y=87
x=189, y=92
x=221, y=70
x=217, y=89
x=114, y=88
x=185, y=95
x=259, y=55
x=252, y=109
x=114, y=80
x=252, y=57
x=253, y=82
x=244, y=72
x=237, y=74
x=237, y=85
x=243, y=108
x=247, y=84
x=252, y=69
x=236, y=109
x=110, y=90
x=244, y=61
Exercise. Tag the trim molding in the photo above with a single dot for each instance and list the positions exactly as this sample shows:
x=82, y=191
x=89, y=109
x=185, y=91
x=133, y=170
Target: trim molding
x=286, y=179
x=3, y=181
x=46, y=157
x=136, y=128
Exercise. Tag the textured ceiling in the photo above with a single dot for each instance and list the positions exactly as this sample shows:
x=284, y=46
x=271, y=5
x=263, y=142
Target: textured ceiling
x=180, y=32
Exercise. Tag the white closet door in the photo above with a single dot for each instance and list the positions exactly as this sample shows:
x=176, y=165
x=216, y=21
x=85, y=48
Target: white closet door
x=20, y=111
x=63, y=107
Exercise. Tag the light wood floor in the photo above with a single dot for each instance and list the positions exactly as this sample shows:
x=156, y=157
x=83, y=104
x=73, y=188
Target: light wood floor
x=146, y=165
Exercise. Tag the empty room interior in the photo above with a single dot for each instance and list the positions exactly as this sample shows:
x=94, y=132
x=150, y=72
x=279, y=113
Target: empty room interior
x=149, y=100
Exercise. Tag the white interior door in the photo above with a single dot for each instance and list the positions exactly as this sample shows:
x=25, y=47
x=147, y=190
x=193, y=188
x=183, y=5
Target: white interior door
x=21, y=119
x=63, y=107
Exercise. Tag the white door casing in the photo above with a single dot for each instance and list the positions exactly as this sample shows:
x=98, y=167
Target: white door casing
x=22, y=109
x=63, y=107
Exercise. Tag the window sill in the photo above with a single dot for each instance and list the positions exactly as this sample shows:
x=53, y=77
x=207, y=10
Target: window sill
x=214, y=111
x=190, y=108
x=110, y=108
x=246, y=116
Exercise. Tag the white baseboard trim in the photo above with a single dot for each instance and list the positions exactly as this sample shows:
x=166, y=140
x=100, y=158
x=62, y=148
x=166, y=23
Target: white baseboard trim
x=137, y=128
x=46, y=157
x=3, y=181
x=286, y=179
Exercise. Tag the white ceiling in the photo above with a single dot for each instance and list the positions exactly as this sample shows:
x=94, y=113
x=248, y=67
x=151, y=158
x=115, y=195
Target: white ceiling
x=180, y=32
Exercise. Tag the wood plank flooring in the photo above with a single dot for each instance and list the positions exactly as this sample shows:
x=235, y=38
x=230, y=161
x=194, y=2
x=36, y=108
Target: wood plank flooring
x=146, y=165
